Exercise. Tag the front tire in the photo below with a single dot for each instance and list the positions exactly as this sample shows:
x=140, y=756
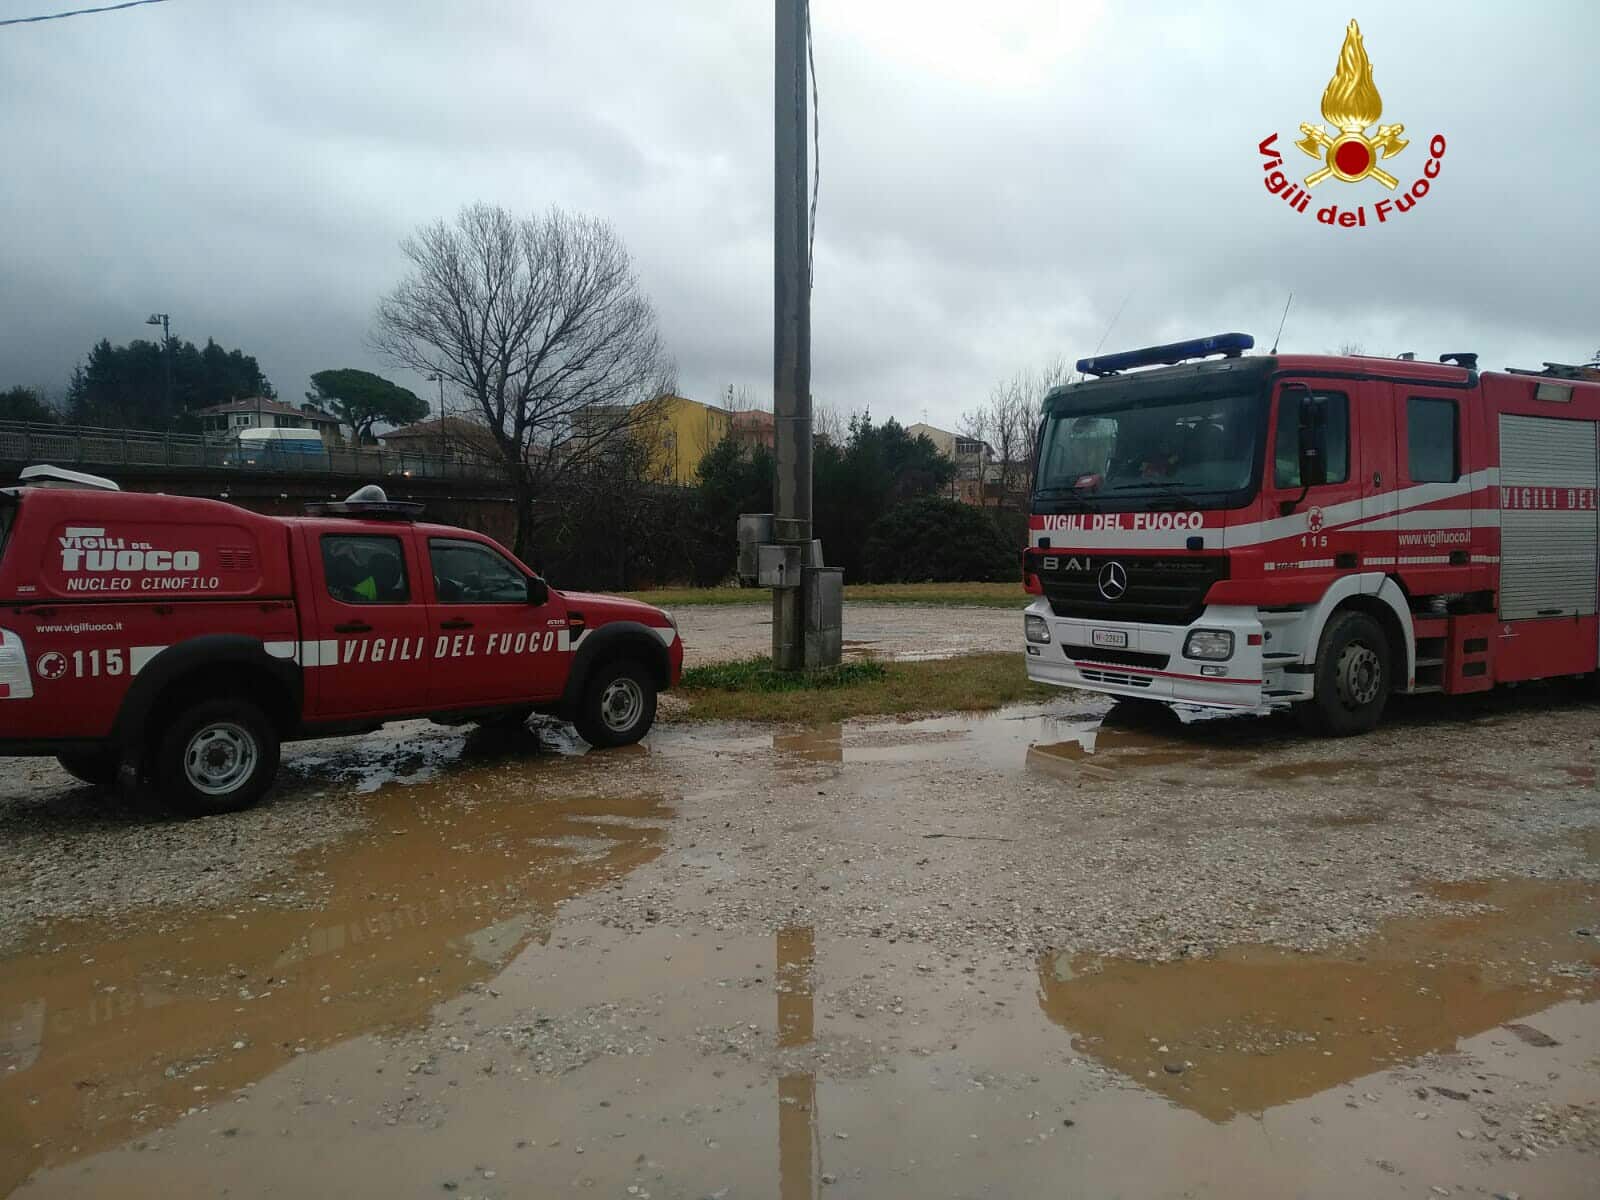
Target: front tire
x=1353, y=678
x=618, y=705
x=98, y=767
x=219, y=756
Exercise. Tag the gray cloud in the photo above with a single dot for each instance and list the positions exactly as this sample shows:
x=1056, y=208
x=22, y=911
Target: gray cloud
x=996, y=183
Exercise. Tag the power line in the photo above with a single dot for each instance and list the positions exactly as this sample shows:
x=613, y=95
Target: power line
x=77, y=12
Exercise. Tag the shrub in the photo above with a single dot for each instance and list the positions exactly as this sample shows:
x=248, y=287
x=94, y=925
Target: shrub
x=939, y=541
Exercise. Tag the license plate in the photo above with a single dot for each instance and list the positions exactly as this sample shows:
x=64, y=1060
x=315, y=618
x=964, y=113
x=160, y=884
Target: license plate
x=1111, y=637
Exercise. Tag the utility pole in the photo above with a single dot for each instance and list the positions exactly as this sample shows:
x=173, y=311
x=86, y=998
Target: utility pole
x=791, y=333
x=776, y=549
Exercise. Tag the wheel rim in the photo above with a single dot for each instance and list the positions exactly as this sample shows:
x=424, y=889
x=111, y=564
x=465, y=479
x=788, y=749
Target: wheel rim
x=621, y=704
x=1360, y=675
x=219, y=758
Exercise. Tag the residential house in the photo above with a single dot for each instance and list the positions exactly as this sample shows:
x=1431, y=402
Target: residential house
x=442, y=437
x=224, y=421
x=754, y=428
x=973, y=458
x=678, y=431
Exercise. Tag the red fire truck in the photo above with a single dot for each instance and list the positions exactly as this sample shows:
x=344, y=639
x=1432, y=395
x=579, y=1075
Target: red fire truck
x=1254, y=532
x=179, y=641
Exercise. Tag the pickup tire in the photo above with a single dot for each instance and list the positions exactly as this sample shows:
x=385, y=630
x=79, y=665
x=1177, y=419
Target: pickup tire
x=98, y=767
x=618, y=704
x=1352, y=680
x=218, y=756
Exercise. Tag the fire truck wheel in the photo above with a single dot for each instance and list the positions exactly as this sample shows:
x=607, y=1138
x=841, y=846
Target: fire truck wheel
x=1352, y=679
x=618, y=706
x=98, y=767
x=218, y=756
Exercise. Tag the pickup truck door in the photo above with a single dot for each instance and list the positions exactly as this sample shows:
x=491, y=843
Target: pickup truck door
x=366, y=652
x=490, y=643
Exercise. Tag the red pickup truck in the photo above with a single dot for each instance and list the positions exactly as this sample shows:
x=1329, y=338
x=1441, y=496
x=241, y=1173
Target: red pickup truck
x=179, y=641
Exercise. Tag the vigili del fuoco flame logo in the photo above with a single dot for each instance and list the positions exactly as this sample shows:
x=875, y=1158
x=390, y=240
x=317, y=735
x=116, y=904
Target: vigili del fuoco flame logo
x=1351, y=104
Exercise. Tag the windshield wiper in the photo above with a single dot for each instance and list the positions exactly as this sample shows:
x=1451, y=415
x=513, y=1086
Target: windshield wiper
x=1165, y=491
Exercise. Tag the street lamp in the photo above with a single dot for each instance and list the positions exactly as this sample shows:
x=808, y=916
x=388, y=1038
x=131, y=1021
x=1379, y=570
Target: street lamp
x=164, y=320
x=444, y=429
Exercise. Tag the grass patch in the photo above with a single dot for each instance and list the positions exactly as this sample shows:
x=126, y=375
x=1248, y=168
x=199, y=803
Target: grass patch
x=757, y=675
x=750, y=690
x=955, y=595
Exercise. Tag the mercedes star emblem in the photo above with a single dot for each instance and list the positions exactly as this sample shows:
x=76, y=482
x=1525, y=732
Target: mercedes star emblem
x=1113, y=580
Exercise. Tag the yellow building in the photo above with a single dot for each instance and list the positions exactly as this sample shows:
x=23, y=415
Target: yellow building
x=684, y=431
x=677, y=431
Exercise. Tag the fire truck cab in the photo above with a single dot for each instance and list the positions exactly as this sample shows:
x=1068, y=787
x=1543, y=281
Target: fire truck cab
x=179, y=641
x=1254, y=532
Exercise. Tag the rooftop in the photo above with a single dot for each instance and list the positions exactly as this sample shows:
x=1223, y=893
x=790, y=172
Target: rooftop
x=277, y=407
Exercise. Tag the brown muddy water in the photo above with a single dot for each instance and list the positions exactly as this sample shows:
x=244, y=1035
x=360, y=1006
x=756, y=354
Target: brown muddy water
x=473, y=1005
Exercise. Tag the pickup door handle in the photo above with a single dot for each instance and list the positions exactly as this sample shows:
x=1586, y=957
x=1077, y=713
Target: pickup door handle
x=458, y=623
x=353, y=627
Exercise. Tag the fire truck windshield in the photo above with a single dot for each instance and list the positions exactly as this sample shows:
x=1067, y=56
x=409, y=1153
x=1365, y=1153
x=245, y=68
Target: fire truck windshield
x=1199, y=450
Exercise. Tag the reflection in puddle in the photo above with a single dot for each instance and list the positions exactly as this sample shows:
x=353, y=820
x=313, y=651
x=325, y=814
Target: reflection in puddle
x=1102, y=750
x=1255, y=1027
x=105, y=1033
x=1070, y=737
x=821, y=743
x=798, y=1151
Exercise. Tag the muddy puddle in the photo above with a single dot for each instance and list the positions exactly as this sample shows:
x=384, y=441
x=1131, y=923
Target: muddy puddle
x=471, y=1003
x=797, y=1064
x=106, y=1032
x=1255, y=1027
x=1079, y=739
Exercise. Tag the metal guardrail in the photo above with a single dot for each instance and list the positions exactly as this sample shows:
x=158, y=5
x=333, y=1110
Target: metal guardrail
x=27, y=442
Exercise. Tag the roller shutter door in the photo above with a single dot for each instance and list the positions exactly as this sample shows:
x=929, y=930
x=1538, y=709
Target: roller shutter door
x=1548, y=562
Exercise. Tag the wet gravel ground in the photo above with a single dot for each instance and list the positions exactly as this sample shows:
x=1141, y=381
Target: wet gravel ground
x=70, y=850
x=1168, y=840
x=1175, y=841
x=567, y=962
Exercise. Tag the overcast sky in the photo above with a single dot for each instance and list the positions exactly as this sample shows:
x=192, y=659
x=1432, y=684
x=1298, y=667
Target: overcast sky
x=997, y=179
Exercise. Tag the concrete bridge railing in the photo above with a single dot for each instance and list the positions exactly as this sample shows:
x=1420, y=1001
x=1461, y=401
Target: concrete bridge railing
x=23, y=443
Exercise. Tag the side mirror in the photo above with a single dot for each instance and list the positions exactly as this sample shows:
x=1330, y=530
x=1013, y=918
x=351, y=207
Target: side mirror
x=1313, y=441
x=538, y=591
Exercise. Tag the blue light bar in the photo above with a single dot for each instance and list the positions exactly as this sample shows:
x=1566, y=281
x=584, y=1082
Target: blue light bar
x=1230, y=344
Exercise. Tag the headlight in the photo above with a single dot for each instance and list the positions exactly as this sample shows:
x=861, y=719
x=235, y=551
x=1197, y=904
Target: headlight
x=1209, y=643
x=1036, y=628
x=671, y=620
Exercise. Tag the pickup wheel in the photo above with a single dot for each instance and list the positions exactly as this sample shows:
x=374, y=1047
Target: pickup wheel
x=216, y=757
x=618, y=705
x=1352, y=680
x=98, y=767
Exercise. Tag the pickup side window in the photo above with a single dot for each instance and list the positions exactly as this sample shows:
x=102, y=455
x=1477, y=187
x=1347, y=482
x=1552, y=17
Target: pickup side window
x=1431, y=440
x=365, y=569
x=471, y=573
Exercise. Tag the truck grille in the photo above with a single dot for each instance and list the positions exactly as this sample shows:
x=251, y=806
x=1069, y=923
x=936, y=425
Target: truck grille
x=1160, y=591
x=1110, y=656
x=1117, y=677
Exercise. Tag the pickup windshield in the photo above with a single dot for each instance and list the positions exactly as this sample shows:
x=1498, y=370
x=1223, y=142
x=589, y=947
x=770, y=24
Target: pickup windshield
x=1197, y=450
x=8, y=513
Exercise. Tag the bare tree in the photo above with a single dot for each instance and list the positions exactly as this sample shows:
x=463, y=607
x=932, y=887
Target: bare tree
x=541, y=323
x=740, y=399
x=1350, y=349
x=828, y=424
x=1009, y=422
